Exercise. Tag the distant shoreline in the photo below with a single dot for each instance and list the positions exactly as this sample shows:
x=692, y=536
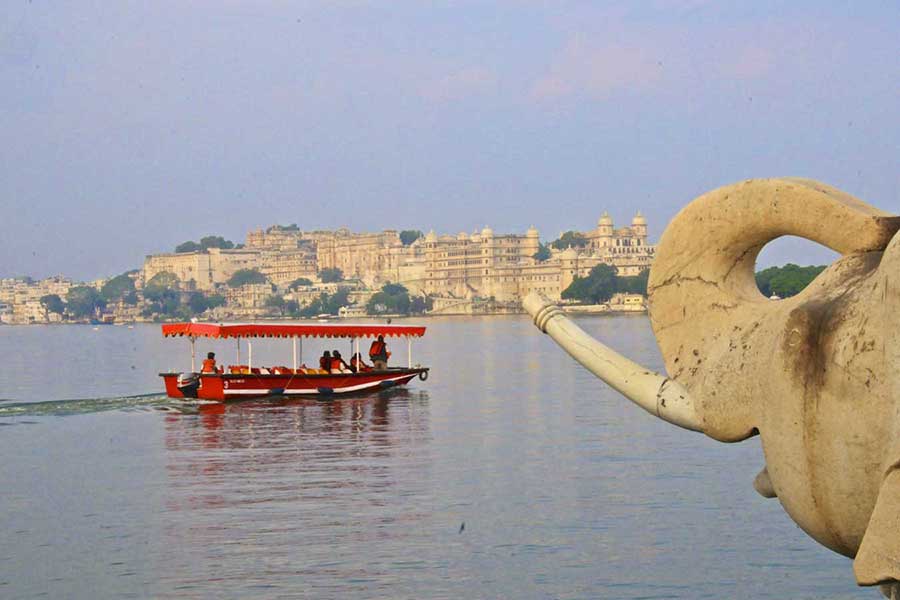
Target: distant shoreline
x=580, y=311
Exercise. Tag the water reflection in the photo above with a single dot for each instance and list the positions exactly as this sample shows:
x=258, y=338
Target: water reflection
x=302, y=486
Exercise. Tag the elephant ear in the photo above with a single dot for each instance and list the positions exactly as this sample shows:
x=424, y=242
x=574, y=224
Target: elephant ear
x=704, y=302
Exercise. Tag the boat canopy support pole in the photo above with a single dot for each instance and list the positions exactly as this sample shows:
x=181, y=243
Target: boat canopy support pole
x=295, y=352
x=238, y=350
x=249, y=356
x=193, y=356
x=409, y=349
x=301, y=350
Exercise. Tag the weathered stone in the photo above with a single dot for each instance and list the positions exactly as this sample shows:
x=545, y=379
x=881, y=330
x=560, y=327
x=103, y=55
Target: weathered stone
x=814, y=375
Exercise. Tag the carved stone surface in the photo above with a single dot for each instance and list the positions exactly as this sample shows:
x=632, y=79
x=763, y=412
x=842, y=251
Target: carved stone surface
x=814, y=375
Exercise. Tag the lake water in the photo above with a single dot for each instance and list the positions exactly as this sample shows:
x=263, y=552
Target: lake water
x=510, y=473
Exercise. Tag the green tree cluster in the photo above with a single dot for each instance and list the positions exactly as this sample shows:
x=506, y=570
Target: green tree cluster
x=786, y=281
x=53, y=303
x=408, y=236
x=291, y=227
x=246, y=277
x=162, y=294
x=164, y=298
x=276, y=303
x=326, y=304
x=333, y=275
x=299, y=282
x=199, y=303
x=394, y=299
x=570, y=238
x=542, y=254
x=120, y=287
x=602, y=282
x=210, y=241
x=84, y=301
x=633, y=285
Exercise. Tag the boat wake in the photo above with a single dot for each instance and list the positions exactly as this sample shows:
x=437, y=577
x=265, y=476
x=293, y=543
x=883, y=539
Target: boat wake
x=80, y=406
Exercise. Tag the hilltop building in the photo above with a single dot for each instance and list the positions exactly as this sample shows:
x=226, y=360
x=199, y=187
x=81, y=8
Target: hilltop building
x=482, y=265
x=201, y=270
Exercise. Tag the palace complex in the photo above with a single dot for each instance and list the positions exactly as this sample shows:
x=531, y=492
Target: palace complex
x=479, y=265
x=481, y=272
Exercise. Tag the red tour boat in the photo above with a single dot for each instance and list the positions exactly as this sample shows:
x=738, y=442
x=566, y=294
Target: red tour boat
x=249, y=381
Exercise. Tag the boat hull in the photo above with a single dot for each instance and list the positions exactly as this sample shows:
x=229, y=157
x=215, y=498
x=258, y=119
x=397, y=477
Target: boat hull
x=227, y=386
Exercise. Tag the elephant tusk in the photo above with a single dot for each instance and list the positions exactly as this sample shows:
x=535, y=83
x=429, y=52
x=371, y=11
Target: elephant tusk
x=658, y=395
x=763, y=484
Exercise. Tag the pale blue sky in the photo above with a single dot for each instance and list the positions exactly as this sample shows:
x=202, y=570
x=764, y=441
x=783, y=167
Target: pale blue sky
x=129, y=127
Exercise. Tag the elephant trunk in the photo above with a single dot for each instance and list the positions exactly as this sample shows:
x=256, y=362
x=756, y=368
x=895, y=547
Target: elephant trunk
x=658, y=395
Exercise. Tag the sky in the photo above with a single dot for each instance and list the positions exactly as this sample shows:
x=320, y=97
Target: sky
x=129, y=127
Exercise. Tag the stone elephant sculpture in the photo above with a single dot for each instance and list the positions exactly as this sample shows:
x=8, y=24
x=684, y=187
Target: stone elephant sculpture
x=816, y=375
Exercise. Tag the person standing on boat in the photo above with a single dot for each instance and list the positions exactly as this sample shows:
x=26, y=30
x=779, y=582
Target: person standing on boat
x=378, y=354
x=209, y=365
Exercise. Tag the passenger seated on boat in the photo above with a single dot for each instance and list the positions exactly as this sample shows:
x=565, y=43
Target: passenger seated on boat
x=325, y=361
x=264, y=371
x=357, y=365
x=209, y=365
x=337, y=363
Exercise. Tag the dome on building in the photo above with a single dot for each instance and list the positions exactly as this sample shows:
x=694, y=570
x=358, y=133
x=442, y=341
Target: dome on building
x=462, y=236
x=487, y=232
x=569, y=254
x=431, y=237
x=532, y=232
x=605, y=220
x=639, y=219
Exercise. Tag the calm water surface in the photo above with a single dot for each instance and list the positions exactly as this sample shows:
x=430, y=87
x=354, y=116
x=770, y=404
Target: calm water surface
x=510, y=473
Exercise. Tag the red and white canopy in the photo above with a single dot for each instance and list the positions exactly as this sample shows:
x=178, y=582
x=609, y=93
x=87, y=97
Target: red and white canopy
x=287, y=330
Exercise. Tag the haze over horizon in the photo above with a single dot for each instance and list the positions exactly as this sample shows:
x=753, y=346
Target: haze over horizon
x=131, y=127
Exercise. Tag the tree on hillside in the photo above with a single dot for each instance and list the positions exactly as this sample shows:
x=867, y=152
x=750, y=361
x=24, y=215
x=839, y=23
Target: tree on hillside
x=542, y=254
x=215, y=300
x=408, y=236
x=570, y=238
x=276, y=302
x=634, y=285
x=299, y=282
x=246, y=277
x=597, y=287
x=53, y=303
x=199, y=303
x=187, y=247
x=159, y=283
x=120, y=287
x=328, y=304
x=786, y=281
x=210, y=241
x=162, y=294
x=215, y=241
x=394, y=299
x=331, y=275
x=83, y=301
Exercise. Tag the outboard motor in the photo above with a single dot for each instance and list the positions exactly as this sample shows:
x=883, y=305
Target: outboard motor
x=188, y=384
